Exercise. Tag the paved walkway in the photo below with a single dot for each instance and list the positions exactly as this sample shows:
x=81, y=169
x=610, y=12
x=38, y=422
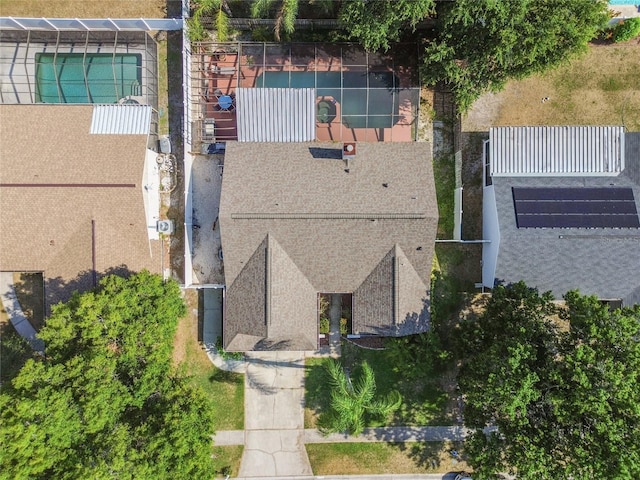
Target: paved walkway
x=15, y=313
x=386, y=434
x=388, y=476
x=274, y=437
x=274, y=416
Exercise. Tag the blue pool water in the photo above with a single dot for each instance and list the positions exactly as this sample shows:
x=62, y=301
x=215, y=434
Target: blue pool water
x=624, y=2
x=90, y=78
x=367, y=100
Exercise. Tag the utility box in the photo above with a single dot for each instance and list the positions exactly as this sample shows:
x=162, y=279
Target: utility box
x=165, y=144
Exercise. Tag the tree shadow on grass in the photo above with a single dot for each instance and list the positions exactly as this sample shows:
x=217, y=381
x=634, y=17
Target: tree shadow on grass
x=317, y=388
x=223, y=376
x=434, y=456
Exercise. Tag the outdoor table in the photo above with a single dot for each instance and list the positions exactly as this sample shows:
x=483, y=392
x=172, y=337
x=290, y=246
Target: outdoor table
x=225, y=102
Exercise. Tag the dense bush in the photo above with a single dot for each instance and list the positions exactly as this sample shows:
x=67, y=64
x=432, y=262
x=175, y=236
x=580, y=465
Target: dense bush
x=626, y=30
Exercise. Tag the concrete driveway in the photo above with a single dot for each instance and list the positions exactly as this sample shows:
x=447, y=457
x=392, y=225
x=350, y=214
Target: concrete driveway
x=274, y=416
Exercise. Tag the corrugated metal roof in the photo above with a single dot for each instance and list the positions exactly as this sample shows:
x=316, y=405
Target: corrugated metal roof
x=121, y=119
x=556, y=151
x=276, y=114
x=90, y=24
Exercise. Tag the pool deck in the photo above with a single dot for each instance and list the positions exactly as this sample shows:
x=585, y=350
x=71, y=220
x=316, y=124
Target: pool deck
x=625, y=11
x=220, y=73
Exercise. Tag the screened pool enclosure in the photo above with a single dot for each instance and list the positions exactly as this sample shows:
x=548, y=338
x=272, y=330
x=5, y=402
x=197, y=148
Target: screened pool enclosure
x=78, y=67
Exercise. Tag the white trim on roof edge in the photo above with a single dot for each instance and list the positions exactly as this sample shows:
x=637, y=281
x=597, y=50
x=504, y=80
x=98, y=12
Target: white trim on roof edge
x=121, y=119
x=556, y=151
x=276, y=114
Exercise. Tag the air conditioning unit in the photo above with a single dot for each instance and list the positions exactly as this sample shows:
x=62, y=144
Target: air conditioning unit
x=164, y=226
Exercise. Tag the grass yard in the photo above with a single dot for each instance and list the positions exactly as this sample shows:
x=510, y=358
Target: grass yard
x=424, y=403
x=224, y=389
x=381, y=458
x=445, y=179
x=84, y=8
x=226, y=460
x=600, y=88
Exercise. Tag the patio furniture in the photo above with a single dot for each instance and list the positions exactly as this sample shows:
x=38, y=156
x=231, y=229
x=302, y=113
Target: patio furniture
x=225, y=102
x=223, y=70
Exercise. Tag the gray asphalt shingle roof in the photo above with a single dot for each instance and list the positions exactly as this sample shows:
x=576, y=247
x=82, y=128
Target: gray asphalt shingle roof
x=600, y=261
x=294, y=224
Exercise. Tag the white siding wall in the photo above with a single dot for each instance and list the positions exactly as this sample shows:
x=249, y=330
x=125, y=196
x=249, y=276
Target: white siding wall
x=491, y=232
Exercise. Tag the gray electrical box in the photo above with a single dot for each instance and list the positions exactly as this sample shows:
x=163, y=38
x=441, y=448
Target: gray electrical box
x=165, y=144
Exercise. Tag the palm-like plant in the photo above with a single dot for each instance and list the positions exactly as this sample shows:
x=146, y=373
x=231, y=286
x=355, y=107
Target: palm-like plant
x=285, y=18
x=219, y=9
x=351, y=401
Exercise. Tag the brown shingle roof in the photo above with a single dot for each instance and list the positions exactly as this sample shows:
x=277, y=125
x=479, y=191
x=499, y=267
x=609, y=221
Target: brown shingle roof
x=46, y=223
x=335, y=227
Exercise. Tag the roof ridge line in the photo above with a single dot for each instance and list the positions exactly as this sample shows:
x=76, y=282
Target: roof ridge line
x=329, y=216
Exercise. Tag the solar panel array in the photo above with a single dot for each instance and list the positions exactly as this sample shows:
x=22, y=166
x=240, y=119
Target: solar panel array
x=581, y=207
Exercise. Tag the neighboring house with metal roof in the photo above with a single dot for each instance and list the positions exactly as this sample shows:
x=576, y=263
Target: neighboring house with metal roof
x=560, y=210
x=297, y=220
x=78, y=194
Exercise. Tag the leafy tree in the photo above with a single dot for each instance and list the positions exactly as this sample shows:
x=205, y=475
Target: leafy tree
x=376, y=23
x=564, y=400
x=351, y=402
x=480, y=44
x=105, y=401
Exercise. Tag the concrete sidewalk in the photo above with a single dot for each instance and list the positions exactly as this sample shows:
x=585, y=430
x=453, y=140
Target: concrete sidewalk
x=386, y=434
x=388, y=476
x=16, y=315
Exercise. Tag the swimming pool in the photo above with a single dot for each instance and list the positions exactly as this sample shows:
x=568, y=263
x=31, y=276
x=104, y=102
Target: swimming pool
x=624, y=2
x=90, y=78
x=367, y=99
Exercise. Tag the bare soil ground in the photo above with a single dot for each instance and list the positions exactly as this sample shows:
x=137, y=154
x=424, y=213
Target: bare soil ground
x=185, y=343
x=599, y=88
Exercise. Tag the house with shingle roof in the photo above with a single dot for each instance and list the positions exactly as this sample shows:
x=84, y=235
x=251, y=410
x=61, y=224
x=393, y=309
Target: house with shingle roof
x=297, y=220
x=75, y=193
x=560, y=210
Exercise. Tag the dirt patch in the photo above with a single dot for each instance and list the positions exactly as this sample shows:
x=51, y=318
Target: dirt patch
x=600, y=88
x=29, y=288
x=186, y=336
x=473, y=306
x=372, y=343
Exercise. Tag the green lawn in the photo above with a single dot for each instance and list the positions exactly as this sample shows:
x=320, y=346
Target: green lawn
x=381, y=458
x=224, y=389
x=424, y=402
x=444, y=174
x=226, y=460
